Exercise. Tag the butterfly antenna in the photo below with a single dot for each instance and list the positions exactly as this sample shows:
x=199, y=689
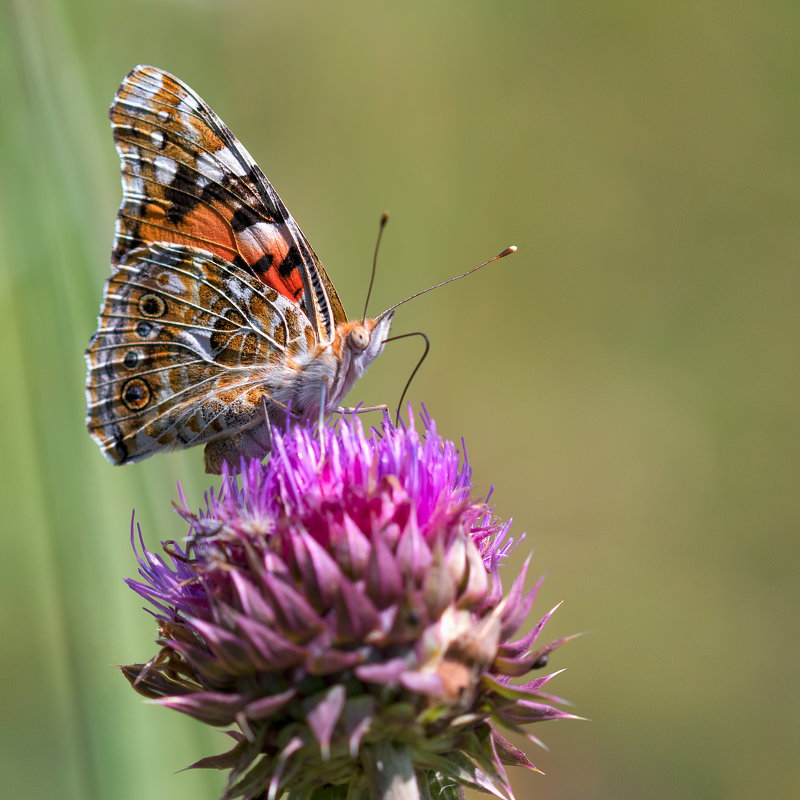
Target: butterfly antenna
x=415, y=370
x=507, y=252
x=384, y=220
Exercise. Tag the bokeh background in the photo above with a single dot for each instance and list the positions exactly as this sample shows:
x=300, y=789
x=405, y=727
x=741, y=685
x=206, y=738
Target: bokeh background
x=628, y=381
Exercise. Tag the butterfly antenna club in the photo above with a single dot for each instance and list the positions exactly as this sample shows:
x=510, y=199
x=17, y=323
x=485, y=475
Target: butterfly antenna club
x=381, y=226
x=507, y=252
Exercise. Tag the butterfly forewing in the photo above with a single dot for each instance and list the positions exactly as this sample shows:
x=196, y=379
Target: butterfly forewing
x=187, y=179
x=188, y=347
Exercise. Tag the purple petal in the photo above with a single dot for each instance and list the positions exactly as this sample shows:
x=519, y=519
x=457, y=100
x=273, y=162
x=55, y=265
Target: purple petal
x=329, y=660
x=515, y=609
x=423, y=683
x=268, y=649
x=413, y=555
x=251, y=601
x=319, y=572
x=289, y=749
x=265, y=707
x=477, y=579
x=383, y=581
x=351, y=548
x=525, y=712
x=214, y=708
x=507, y=753
x=293, y=612
x=226, y=646
x=323, y=714
x=358, y=715
x=517, y=692
x=439, y=589
x=355, y=615
x=202, y=662
x=385, y=672
x=544, y=652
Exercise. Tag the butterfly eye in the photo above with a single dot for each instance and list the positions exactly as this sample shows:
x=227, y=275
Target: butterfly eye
x=358, y=339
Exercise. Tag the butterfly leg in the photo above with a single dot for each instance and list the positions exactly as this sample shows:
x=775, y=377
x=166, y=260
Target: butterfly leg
x=321, y=420
x=267, y=421
x=361, y=409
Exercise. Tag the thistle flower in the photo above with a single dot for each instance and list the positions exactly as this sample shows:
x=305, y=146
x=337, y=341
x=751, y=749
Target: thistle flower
x=342, y=607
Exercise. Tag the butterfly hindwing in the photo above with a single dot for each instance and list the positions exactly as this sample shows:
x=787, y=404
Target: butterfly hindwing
x=188, y=180
x=188, y=347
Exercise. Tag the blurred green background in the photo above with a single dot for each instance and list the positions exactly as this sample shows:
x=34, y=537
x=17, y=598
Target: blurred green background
x=628, y=381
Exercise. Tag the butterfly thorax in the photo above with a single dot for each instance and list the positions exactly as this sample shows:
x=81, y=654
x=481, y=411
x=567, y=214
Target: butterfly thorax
x=326, y=373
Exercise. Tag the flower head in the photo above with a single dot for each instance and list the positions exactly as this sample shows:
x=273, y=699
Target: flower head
x=342, y=607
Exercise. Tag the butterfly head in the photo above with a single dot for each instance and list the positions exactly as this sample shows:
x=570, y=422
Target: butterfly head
x=362, y=342
x=358, y=338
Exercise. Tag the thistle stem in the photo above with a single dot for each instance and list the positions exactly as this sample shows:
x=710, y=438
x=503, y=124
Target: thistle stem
x=390, y=772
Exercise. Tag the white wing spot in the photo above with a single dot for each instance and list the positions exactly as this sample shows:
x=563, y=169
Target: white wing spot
x=173, y=284
x=230, y=162
x=165, y=169
x=209, y=168
x=263, y=237
x=154, y=84
x=132, y=178
x=157, y=138
x=191, y=102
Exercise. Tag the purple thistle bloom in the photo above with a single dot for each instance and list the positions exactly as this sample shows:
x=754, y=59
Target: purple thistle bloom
x=341, y=605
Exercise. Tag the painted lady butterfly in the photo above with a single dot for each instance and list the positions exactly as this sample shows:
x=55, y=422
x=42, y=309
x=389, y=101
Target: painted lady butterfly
x=218, y=311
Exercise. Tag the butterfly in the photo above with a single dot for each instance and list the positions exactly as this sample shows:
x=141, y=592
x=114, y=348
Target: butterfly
x=218, y=319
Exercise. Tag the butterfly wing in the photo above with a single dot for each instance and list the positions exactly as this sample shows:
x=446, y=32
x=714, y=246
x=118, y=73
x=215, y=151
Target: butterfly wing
x=188, y=349
x=187, y=180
